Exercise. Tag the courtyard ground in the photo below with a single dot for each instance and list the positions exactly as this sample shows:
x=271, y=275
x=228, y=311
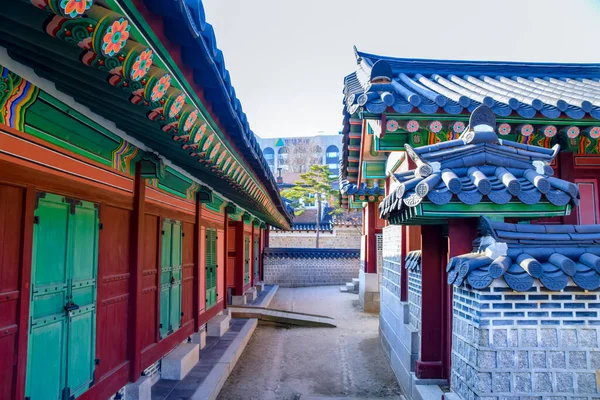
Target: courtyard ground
x=293, y=363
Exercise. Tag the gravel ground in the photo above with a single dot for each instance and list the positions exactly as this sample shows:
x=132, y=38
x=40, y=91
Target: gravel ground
x=282, y=363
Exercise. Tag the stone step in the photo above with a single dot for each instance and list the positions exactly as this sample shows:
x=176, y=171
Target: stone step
x=350, y=286
x=356, y=281
x=177, y=364
x=218, y=325
x=260, y=286
x=251, y=295
x=343, y=289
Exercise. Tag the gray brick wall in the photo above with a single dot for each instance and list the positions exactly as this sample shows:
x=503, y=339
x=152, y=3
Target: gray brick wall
x=399, y=337
x=414, y=298
x=296, y=272
x=533, y=345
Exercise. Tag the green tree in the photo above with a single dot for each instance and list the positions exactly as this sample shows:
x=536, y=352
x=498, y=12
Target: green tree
x=314, y=186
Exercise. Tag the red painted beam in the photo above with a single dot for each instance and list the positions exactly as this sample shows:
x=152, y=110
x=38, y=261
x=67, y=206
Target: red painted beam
x=566, y=170
x=403, y=271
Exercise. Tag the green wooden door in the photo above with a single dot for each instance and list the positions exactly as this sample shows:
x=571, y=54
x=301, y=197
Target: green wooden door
x=246, y=259
x=211, y=267
x=170, y=277
x=61, y=346
x=255, y=253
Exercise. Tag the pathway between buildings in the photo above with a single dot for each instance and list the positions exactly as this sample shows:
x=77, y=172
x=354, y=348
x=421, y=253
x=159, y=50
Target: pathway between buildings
x=346, y=361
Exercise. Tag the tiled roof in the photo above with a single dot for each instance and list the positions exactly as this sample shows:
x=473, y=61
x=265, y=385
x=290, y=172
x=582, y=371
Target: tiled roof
x=453, y=87
x=311, y=253
x=520, y=253
x=476, y=167
x=185, y=24
x=413, y=261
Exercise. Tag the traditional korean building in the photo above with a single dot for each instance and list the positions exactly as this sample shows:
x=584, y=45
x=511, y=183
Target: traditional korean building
x=482, y=178
x=135, y=199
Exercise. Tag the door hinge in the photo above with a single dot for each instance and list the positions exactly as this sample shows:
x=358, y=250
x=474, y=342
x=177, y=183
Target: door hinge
x=36, y=220
x=101, y=225
x=160, y=325
x=182, y=314
x=97, y=361
x=162, y=232
x=73, y=204
x=182, y=234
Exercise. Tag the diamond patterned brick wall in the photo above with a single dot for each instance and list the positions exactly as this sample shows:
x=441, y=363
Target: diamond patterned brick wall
x=533, y=345
x=296, y=272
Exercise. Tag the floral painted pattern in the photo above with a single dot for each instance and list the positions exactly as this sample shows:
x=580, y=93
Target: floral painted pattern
x=392, y=125
x=412, y=126
x=142, y=65
x=189, y=122
x=504, y=129
x=435, y=126
x=527, y=130
x=115, y=38
x=177, y=106
x=573, y=132
x=550, y=131
x=160, y=89
x=75, y=8
x=595, y=132
x=458, y=126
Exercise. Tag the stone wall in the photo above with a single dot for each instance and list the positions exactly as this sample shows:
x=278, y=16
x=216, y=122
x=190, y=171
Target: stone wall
x=310, y=267
x=399, y=337
x=533, y=345
x=342, y=237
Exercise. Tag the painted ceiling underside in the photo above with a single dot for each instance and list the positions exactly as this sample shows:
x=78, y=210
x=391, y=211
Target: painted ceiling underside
x=154, y=69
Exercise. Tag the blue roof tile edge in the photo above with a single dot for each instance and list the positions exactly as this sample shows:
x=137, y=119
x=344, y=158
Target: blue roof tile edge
x=555, y=256
x=185, y=25
x=453, y=87
x=310, y=253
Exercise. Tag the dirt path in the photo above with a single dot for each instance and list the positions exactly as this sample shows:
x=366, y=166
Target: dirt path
x=282, y=363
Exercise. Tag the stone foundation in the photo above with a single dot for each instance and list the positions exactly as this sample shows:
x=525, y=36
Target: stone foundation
x=310, y=267
x=368, y=291
x=533, y=345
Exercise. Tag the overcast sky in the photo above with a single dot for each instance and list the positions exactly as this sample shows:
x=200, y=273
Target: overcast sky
x=288, y=58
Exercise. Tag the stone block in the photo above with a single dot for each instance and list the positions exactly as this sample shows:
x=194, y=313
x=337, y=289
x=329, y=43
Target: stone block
x=260, y=286
x=251, y=295
x=218, y=325
x=500, y=338
x=177, y=364
x=542, y=382
x=199, y=338
x=588, y=338
x=568, y=337
x=577, y=359
x=564, y=382
x=538, y=359
x=139, y=390
x=586, y=383
x=486, y=359
x=506, y=359
x=522, y=359
x=522, y=382
x=238, y=300
x=500, y=382
x=549, y=337
x=558, y=359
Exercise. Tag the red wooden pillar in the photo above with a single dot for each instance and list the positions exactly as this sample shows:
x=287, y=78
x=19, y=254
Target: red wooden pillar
x=198, y=281
x=137, y=260
x=566, y=171
x=226, y=255
x=371, y=240
x=261, y=241
x=251, y=266
x=239, y=258
x=267, y=230
x=430, y=366
x=24, y=290
x=461, y=233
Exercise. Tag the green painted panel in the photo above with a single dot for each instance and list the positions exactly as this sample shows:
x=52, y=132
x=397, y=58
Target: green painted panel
x=165, y=278
x=46, y=359
x=62, y=341
x=374, y=169
x=211, y=267
x=175, y=309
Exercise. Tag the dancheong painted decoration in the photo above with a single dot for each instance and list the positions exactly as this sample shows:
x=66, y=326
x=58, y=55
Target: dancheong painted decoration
x=126, y=165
